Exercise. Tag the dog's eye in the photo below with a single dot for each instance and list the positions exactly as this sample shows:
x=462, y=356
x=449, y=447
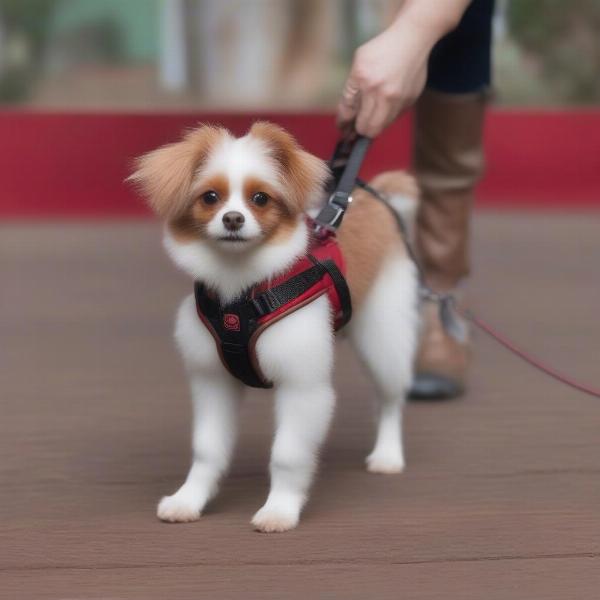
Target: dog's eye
x=260, y=198
x=210, y=197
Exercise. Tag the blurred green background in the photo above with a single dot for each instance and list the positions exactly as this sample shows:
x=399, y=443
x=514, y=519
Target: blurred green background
x=238, y=54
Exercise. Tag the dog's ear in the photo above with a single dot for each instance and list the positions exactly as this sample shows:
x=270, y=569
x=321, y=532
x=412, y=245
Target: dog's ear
x=165, y=176
x=303, y=174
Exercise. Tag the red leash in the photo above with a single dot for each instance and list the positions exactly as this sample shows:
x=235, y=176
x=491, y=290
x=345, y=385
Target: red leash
x=441, y=299
x=351, y=157
x=528, y=358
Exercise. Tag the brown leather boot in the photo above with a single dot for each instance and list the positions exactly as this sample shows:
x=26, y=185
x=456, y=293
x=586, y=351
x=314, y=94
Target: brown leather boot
x=442, y=358
x=448, y=161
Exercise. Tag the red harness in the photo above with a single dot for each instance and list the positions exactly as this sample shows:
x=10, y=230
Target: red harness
x=321, y=251
x=236, y=326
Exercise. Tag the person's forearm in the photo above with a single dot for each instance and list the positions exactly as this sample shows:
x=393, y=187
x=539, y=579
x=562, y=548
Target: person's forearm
x=432, y=18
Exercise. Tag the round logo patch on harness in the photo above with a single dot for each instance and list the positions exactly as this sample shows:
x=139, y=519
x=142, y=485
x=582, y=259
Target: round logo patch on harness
x=231, y=322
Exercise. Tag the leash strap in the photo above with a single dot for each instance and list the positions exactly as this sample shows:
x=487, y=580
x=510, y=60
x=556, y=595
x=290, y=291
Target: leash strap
x=345, y=165
x=447, y=302
x=528, y=358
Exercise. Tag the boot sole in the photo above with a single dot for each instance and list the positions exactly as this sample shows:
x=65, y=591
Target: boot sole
x=431, y=387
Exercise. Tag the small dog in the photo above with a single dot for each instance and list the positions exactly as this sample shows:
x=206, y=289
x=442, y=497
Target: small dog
x=235, y=212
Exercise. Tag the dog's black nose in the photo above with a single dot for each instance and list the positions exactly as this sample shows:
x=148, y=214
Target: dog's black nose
x=233, y=220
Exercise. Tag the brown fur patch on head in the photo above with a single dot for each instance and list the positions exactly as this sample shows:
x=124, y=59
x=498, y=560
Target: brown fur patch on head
x=164, y=176
x=277, y=218
x=302, y=174
x=192, y=222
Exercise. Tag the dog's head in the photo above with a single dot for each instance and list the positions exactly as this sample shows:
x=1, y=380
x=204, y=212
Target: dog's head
x=233, y=194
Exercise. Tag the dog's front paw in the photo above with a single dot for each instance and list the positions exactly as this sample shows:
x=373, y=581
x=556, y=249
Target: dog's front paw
x=385, y=463
x=178, y=508
x=273, y=520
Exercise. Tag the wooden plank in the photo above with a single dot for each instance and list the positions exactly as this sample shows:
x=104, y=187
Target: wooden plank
x=555, y=579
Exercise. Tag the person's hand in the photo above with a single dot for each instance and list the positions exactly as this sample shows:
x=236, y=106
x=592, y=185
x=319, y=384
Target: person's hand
x=388, y=74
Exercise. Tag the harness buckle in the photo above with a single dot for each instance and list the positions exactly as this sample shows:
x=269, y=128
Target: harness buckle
x=266, y=303
x=332, y=213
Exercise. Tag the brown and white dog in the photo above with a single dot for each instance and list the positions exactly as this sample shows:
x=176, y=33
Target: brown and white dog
x=235, y=213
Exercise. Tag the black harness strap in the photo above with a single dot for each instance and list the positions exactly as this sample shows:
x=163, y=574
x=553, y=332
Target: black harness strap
x=341, y=287
x=281, y=294
x=232, y=327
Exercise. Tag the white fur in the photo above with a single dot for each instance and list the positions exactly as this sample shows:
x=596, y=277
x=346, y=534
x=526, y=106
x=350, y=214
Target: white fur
x=406, y=207
x=216, y=397
x=231, y=267
x=384, y=333
x=296, y=353
x=230, y=273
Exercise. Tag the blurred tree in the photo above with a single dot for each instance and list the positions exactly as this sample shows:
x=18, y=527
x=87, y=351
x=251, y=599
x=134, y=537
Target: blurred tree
x=563, y=40
x=25, y=27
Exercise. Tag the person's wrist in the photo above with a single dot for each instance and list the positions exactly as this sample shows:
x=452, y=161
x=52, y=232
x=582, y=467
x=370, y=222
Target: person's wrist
x=416, y=37
x=411, y=46
x=423, y=27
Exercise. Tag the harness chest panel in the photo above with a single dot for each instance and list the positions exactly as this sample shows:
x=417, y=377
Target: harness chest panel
x=236, y=326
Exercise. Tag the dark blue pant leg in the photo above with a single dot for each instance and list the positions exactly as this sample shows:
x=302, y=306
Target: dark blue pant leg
x=461, y=61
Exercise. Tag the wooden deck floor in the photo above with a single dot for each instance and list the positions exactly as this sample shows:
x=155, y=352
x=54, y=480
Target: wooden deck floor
x=501, y=498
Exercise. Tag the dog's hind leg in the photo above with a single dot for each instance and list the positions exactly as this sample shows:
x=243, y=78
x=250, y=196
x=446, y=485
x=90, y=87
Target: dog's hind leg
x=384, y=333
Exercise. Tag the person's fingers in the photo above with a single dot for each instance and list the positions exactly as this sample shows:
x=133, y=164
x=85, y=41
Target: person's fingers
x=380, y=114
x=365, y=112
x=349, y=103
x=385, y=112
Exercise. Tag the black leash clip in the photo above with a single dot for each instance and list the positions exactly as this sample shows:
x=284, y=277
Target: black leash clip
x=344, y=164
x=332, y=213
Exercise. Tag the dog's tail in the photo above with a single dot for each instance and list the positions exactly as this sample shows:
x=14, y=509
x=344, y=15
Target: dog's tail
x=401, y=191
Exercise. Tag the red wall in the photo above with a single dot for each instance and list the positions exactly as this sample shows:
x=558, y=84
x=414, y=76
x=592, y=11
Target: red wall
x=55, y=165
